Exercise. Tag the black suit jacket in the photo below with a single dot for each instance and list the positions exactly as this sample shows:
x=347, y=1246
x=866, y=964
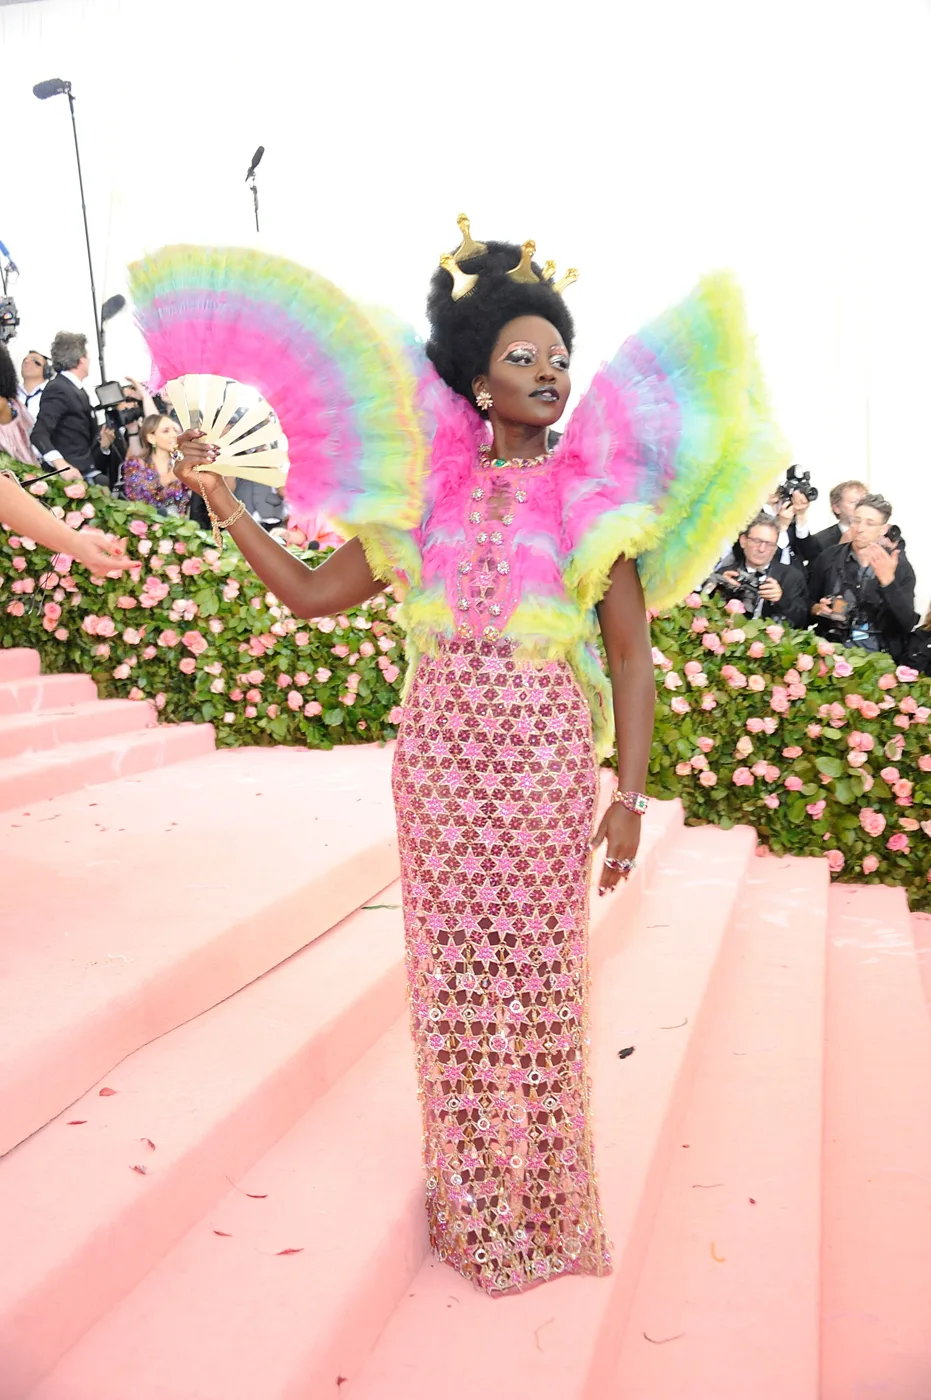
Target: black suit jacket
x=793, y=605
x=67, y=424
x=890, y=609
x=828, y=538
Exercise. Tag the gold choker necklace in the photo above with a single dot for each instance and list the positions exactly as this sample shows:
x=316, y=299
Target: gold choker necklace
x=510, y=463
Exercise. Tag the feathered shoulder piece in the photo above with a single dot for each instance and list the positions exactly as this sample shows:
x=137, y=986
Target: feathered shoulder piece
x=670, y=451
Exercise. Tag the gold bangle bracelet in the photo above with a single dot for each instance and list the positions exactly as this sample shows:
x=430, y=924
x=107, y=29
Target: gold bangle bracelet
x=218, y=525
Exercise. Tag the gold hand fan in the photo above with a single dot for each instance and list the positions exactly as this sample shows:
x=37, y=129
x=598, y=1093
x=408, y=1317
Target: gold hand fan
x=238, y=420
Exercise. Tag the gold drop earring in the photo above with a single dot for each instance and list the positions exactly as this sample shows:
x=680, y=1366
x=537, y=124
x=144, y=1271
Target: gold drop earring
x=484, y=400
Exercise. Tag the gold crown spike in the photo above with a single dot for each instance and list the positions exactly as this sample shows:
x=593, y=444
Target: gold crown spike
x=571, y=276
x=463, y=282
x=523, y=272
x=468, y=248
x=549, y=272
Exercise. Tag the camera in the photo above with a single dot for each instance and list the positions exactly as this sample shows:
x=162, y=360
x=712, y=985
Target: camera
x=9, y=319
x=109, y=398
x=797, y=480
x=742, y=585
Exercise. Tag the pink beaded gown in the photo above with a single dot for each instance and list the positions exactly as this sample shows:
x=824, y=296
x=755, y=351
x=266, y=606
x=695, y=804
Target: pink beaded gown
x=495, y=784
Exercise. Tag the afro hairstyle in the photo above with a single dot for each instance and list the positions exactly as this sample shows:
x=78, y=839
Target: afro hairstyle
x=463, y=332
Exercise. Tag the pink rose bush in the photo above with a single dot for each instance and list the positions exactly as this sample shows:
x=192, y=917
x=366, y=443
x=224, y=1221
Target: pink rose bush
x=825, y=751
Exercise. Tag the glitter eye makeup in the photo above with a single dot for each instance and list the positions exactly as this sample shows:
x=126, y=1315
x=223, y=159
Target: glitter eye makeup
x=559, y=356
x=520, y=353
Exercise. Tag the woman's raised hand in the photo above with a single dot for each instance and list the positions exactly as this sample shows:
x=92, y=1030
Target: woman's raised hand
x=194, y=468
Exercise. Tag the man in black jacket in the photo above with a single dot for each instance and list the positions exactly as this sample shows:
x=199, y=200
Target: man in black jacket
x=863, y=593
x=66, y=433
x=774, y=590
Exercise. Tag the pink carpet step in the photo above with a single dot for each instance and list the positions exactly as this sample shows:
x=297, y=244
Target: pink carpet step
x=876, y=1337
x=36, y=777
x=81, y=1228
x=17, y=663
x=267, y=1297
x=132, y=907
x=33, y=692
x=560, y=1342
x=345, y=1183
x=94, y=719
x=728, y=1302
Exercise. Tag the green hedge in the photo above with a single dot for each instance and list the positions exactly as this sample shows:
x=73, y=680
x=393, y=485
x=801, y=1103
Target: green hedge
x=824, y=752
x=195, y=631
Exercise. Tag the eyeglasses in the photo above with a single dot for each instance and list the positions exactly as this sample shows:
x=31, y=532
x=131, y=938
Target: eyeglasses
x=764, y=544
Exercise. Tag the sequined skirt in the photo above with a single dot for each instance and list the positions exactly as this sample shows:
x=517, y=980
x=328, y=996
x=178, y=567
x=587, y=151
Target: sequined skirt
x=495, y=785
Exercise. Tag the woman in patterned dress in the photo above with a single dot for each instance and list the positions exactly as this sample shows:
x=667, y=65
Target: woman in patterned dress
x=148, y=475
x=520, y=557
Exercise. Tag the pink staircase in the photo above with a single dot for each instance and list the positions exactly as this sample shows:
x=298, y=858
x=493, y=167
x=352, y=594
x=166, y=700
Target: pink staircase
x=212, y=1189
x=56, y=735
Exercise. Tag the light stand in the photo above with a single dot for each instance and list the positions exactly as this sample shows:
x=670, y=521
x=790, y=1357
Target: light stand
x=51, y=88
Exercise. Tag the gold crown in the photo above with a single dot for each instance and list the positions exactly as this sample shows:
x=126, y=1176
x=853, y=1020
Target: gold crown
x=463, y=282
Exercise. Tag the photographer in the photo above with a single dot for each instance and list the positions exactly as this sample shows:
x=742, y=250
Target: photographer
x=66, y=432
x=35, y=374
x=764, y=585
x=862, y=593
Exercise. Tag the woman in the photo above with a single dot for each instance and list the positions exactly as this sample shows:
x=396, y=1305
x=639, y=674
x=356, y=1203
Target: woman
x=16, y=422
x=511, y=561
x=148, y=475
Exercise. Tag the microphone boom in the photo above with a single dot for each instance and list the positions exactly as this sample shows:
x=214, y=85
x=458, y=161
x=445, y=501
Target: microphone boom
x=255, y=160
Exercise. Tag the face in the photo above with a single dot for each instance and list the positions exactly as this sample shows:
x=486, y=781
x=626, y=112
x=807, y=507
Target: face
x=165, y=435
x=83, y=368
x=528, y=377
x=867, y=528
x=32, y=366
x=848, y=504
x=759, y=545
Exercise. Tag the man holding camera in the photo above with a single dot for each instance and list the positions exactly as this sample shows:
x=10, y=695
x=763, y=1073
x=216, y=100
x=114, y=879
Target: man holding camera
x=766, y=587
x=66, y=432
x=863, y=592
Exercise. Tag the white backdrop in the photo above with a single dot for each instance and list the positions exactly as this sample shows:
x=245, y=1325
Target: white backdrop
x=643, y=143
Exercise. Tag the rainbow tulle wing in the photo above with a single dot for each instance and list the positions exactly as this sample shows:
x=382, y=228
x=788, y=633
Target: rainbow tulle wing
x=347, y=396
x=671, y=450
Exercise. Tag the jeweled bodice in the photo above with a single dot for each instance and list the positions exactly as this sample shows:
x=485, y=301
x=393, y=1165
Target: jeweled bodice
x=487, y=584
